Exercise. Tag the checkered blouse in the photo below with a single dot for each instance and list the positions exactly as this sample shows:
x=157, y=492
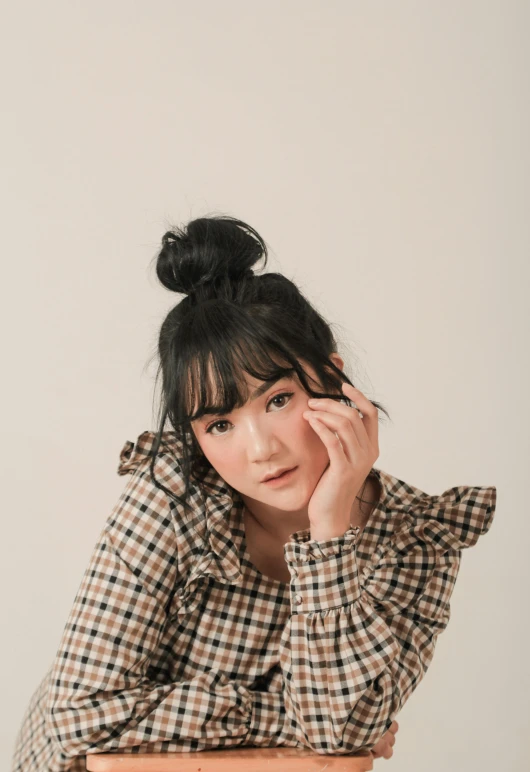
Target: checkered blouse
x=177, y=642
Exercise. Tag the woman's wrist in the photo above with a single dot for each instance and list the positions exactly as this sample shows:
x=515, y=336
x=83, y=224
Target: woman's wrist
x=325, y=533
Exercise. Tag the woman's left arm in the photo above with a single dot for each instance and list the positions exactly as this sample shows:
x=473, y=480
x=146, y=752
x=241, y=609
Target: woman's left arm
x=354, y=650
x=351, y=655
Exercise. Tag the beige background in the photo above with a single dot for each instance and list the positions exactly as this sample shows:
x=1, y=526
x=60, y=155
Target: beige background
x=381, y=149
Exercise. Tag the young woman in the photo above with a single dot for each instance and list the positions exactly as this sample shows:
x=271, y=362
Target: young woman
x=259, y=581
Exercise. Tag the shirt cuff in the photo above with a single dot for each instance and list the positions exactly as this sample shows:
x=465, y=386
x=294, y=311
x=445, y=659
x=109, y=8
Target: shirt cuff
x=324, y=574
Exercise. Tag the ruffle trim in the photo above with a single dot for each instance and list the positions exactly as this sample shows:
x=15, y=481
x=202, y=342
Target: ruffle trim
x=424, y=551
x=453, y=520
x=301, y=547
x=133, y=454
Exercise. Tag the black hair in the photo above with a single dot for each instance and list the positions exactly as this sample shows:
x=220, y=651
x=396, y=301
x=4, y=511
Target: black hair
x=232, y=321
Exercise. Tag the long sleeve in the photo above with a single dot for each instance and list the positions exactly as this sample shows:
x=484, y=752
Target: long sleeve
x=101, y=697
x=354, y=650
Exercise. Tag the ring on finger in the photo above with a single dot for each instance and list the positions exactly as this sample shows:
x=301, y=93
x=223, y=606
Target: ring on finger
x=352, y=404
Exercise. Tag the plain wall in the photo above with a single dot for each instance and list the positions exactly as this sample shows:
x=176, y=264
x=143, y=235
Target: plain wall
x=381, y=149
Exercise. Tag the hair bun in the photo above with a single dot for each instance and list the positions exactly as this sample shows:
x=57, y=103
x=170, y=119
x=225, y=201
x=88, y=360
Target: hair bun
x=206, y=251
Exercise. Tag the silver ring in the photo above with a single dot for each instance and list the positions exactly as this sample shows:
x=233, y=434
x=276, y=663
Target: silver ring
x=351, y=404
x=354, y=406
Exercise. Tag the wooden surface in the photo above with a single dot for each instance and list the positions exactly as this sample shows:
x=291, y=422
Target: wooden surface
x=226, y=760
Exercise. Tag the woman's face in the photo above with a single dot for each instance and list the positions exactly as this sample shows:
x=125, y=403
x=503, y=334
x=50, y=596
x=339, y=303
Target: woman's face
x=267, y=434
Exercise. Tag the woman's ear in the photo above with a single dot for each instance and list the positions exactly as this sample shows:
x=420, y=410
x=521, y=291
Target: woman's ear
x=337, y=360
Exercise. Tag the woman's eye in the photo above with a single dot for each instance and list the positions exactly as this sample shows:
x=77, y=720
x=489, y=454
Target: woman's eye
x=279, y=396
x=271, y=401
x=212, y=426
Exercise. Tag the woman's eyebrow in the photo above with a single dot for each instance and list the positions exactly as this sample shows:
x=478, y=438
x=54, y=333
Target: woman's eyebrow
x=265, y=386
x=215, y=410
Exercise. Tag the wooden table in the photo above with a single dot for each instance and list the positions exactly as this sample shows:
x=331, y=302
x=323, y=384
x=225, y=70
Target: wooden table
x=229, y=759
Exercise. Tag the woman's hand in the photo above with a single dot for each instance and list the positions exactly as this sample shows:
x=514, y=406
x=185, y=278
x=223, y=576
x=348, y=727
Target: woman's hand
x=383, y=747
x=353, y=447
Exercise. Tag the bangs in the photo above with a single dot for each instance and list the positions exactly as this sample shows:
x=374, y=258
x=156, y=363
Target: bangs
x=223, y=347
x=216, y=379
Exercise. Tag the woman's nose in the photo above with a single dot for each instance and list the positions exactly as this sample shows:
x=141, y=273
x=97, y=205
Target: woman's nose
x=261, y=443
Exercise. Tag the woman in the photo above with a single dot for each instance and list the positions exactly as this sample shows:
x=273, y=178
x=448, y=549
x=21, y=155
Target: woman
x=223, y=608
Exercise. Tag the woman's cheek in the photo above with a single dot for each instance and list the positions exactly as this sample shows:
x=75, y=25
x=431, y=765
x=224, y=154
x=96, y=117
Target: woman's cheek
x=220, y=456
x=312, y=441
x=306, y=429
x=308, y=439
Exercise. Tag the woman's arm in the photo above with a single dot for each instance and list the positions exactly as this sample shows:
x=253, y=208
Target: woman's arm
x=100, y=696
x=352, y=653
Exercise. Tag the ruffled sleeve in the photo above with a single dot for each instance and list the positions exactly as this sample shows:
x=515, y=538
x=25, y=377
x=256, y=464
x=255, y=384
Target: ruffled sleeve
x=134, y=454
x=355, y=648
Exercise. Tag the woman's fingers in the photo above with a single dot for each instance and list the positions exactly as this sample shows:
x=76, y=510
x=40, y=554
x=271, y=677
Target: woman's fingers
x=384, y=747
x=370, y=418
x=344, y=427
x=351, y=425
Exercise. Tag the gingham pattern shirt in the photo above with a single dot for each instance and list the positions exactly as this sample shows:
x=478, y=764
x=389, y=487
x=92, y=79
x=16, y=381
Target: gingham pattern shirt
x=176, y=641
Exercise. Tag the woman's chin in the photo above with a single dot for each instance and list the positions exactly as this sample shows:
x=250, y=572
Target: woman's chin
x=288, y=500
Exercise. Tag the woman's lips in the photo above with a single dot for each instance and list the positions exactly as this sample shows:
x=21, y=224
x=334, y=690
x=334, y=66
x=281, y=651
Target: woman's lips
x=285, y=477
